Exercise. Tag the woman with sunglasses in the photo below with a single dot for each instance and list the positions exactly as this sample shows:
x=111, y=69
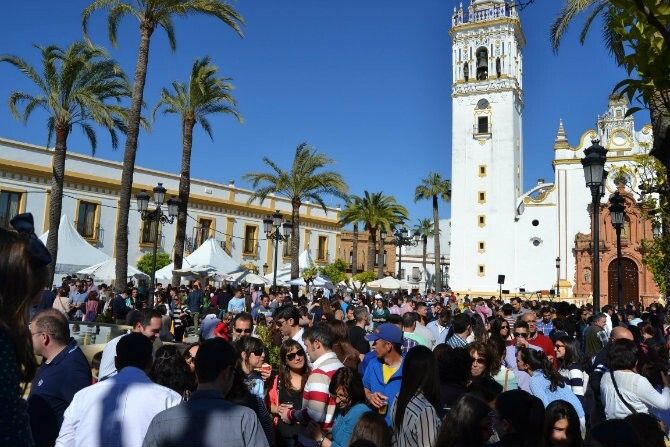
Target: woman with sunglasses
x=570, y=365
x=287, y=388
x=480, y=356
x=500, y=327
x=252, y=355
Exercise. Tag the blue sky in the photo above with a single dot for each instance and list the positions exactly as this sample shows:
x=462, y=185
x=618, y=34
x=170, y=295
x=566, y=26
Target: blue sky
x=366, y=81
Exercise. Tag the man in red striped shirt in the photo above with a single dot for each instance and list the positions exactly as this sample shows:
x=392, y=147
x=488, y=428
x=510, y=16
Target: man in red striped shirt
x=317, y=403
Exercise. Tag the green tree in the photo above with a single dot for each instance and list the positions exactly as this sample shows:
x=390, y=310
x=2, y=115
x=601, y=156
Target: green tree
x=353, y=214
x=150, y=14
x=434, y=187
x=145, y=263
x=336, y=272
x=78, y=86
x=205, y=94
x=379, y=212
x=364, y=277
x=426, y=229
x=305, y=180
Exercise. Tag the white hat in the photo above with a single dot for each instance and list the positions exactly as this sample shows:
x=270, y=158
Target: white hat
x=379, y=296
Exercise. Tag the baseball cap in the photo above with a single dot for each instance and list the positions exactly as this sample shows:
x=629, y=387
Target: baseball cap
x=388, y=332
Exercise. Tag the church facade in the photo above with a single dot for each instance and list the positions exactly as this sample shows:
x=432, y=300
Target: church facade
x=538, y=239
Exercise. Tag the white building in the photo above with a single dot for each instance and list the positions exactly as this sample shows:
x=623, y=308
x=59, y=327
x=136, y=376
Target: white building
x=531, y=229
x=91, y=196
x=412, y=260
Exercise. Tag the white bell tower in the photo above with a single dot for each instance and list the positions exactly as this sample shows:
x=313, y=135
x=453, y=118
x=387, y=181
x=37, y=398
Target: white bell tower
x=487, y=145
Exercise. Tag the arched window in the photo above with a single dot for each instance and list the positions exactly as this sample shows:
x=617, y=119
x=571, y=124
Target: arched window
x=625, y=231
x=482, y=63
x=466, y=71
x=587, y=275
x=498, y=66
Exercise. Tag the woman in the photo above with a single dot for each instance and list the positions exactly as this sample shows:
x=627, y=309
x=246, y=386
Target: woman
x=561, y=426
x=63, y=302
x=346, y=353
x=380, y=313
x=347, y=388
x=182, y=316
x=24, y=262
x=623, y=390
x=480, y=356
x=414, y=411
x=468, y=424
x=91, y=309
x=189, y=355
x=371, y=430
x=252, y=356
x=287, y=388
x=569, y=360
x=545, y=382
x=166, y=323
x=500, y=373
x=171, y=370
x=500, y=327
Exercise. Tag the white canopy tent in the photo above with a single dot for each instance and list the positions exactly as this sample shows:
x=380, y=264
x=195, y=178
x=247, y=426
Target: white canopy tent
x=106, y=271
x=209, y=256
x=284, y=272
x=74, y=252
x=385, y=284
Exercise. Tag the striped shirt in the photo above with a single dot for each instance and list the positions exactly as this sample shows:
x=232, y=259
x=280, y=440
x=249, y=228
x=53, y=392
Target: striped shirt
x=317, y=403
x=456, y=342
x=420, y=424
x=577, y=378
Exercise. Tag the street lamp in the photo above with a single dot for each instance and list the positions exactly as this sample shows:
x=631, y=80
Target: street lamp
x=558, y=277
x=400, y=239
x=618, y=215
x=157, y=216
x=272, y=226
x=594, y=174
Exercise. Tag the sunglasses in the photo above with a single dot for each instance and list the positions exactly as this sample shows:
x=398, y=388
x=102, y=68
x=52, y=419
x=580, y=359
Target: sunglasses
x=290, y=357
x=242, y=331
x=520, y=334
x=258, y=352
x=479, y=361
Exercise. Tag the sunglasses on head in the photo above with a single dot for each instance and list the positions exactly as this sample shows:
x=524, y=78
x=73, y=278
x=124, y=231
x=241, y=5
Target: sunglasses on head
x=521, y=334
x=290, y=357
x=243, y=331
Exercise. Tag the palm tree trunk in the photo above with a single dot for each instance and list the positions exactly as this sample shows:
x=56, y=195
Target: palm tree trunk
x=372, y=232
x=660, y=122
x=354, y=252
x=436, y=240
x=129, y=155
x=425, y=254
x=184, y=191
x=56, y=204
x=295, y=243
x=380, y=266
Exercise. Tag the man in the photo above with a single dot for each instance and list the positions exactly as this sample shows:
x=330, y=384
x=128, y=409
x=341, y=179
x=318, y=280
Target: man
x=462, y=328
x=422, y=320
x=317, y=404
x=517, y=308
x=243, y=325
x=276, y=301
x=383, y=375
x=78, y=297
x=226, y=423
x=146, y=322
x=440, y=326
x=545, y=325
x=357, y=331
x=119, y=308
x=118, y=411
x=595, y=336
x=608, y=310
x=411, y=338
x=195, y=299
x=263, y=308
x=521, y=333
x=535, y=338
x=287, y=320
x=63, y=373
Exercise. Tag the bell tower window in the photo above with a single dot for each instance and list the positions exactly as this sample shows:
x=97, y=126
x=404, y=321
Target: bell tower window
x=466, y=69
x=482, y=124
x=482, y=64
x=498, y=67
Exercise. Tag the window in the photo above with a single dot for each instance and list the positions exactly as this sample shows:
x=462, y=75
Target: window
x=535, y=222
x=482, y=63
x=481, y=220
x=86, y=217
x=416, y=273
x=322, y=249
x=10, y=206
x=377, y=258
x=149, y=232
x=466, y=71
x=481, y=270
x=625, y=231
x=286, y=249
x=481, y=197
x=587, y=275
x=498, y=67
x=481, y=246
x=205, y=227
x=250, y=239
x=483, y=124
x=482, y=170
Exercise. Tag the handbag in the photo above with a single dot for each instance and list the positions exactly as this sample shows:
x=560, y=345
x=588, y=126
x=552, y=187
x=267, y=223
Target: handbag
x=625, y=402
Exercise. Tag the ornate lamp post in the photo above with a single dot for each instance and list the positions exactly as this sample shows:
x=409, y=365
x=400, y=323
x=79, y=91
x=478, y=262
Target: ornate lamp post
x=272, y=226
x=558, y=277
x=594, y=174
x=157, y=216
x=618, y=215
x=401, y=238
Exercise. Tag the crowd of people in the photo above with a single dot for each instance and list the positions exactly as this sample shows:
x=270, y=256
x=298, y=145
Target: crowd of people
x=206, y=366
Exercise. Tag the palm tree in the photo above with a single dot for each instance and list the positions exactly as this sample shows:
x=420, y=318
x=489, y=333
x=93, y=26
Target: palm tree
x=150, y=14
x=379, y=212
x=426, y=229
x=304, y=181
x=434, y=187
x=78, y=86
x=204, y=95
x=352, y=214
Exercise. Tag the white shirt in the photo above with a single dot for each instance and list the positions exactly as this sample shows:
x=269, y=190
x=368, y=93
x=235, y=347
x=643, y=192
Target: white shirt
x=425, y=333
x=298, y=337
x=107, y=367
x=116, y=411
x=637, y=391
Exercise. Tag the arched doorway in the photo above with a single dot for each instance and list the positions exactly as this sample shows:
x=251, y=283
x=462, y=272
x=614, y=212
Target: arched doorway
x=631, y=291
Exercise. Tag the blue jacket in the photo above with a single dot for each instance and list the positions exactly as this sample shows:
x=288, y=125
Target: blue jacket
x=373, y=380
x=345, y=423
